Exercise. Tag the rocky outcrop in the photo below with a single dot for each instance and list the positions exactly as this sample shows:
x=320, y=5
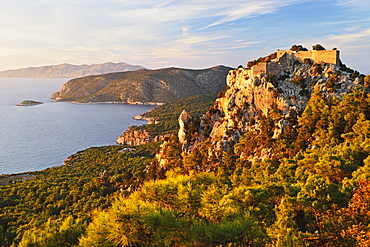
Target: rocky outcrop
x=262, y=103
x=250, y=97
x=144, y=86
x=150, y=120
x=68, y=70
x=137, y=136
x=184, y=121
x=162, y=120
x=30, y=103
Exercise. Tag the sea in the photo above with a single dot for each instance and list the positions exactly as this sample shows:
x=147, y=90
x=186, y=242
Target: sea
x=34, y=138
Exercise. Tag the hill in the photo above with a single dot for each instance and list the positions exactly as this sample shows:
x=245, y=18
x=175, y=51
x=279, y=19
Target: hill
x=163, y=120
x=279, y=159
x=144, y=86
x=68, y=70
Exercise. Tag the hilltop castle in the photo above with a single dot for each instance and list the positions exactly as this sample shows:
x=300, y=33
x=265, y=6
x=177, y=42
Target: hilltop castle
x=273, y=66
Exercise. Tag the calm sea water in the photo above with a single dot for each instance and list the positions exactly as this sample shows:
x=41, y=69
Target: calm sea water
x=37, y=137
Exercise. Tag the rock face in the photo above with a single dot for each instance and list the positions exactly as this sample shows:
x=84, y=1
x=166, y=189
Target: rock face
x=162, y=120
x=137, y=136
x=249, y=97
x=144, y=86
x=68, y=70
x=289, y=89
x=29, y=103
x=184, y=121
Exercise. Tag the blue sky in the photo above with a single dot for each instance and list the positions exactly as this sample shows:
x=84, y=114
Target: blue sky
x=188, y=34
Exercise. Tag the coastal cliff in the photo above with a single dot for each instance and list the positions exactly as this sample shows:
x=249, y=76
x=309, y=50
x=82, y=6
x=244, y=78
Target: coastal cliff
x=144, y=86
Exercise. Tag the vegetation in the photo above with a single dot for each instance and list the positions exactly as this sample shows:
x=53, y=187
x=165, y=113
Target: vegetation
x=298, y=48
x=310, y=189
x=318, y=47
x=59, y=201
x=262, y=60
x=144, y=86
x=167, y=115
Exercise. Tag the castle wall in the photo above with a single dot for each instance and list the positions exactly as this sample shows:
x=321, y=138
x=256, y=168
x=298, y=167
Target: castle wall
x=327, y=56
x=275, y=66
x=259, y=68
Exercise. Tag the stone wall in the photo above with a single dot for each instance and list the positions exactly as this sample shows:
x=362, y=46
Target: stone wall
x=326, y=56
x=276, y=65
x=259, y=68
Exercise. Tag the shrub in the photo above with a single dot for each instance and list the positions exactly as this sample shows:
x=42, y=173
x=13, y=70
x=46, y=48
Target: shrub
x=299, y=81
x=304, y=92
x=367, y=81
x=308, y=61
x=317, y=68
x=298, y=48
x=283, y=77
x=271, y=78
x=250, y=64
x=318, y=47
x=297, y=62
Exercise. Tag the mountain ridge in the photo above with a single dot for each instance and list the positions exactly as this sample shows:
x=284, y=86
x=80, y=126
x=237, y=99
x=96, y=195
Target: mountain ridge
x=144, y=86
x=66, y=70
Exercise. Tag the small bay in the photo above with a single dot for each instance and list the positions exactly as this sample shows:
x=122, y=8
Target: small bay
x=41, y=136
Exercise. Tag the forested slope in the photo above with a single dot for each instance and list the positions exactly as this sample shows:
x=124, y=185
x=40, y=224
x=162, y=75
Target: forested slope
x=278, y=160
x=314, y=196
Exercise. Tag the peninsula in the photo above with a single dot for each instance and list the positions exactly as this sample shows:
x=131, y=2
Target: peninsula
x=144, y=86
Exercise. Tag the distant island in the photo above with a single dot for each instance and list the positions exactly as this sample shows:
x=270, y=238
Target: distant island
x=68, y=70
x=29, y=103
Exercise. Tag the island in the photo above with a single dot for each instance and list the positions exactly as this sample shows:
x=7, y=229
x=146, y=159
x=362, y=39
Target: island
x=29, y=103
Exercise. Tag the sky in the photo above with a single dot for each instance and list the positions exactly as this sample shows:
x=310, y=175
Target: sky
x=186, y=34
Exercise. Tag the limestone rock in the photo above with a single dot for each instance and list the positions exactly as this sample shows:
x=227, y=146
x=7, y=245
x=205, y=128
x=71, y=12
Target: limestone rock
x=137, y=136
x=184, y=120
x=250, y=96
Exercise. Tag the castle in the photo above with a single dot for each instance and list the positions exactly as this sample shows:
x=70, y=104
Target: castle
x=316, y=56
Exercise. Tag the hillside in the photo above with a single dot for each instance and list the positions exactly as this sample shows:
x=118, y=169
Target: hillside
x=144, y=86
x=68, y=70
x=163, y=120
x=279, y=159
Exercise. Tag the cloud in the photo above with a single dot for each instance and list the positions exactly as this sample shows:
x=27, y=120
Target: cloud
x=351, y=37
x=248, y=9
x=130, y=28
x=170, y=32
x=355, y=4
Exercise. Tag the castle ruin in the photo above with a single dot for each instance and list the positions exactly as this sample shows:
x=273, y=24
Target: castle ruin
x=316, y=56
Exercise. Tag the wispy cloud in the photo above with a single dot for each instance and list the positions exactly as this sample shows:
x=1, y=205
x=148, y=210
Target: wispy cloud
x=351, y=37
x=355, y=4
x=247, y=9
